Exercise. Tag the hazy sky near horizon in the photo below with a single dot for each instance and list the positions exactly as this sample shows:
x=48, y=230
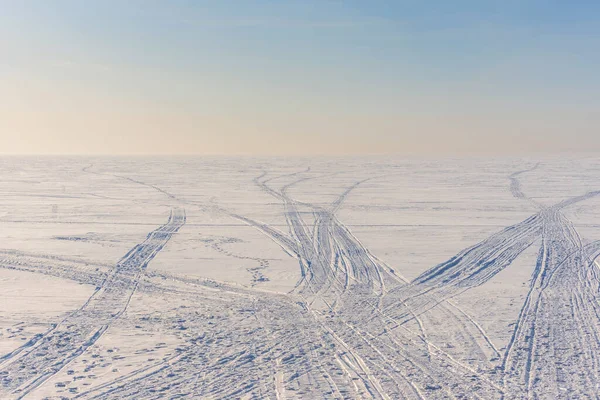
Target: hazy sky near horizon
x=301, y=77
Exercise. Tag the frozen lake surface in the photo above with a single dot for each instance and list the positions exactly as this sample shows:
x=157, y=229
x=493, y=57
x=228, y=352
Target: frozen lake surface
x=349, y=278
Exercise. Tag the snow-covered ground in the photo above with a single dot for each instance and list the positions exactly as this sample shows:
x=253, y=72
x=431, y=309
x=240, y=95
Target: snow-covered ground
x=225, y=278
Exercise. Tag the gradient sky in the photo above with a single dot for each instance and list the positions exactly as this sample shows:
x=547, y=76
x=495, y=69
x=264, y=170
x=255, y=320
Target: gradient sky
x=299, y=77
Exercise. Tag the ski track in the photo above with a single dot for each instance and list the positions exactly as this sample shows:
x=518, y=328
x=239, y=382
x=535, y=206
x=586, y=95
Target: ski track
x=352, y=328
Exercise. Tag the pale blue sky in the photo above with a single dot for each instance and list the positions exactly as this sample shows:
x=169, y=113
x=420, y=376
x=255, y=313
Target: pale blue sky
x=299, y=77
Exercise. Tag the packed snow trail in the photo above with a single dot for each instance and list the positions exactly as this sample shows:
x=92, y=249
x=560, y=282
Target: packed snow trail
x=69, y=339
x=341, y=272
x=352, y=328
x=556, y=343
x=515, y=183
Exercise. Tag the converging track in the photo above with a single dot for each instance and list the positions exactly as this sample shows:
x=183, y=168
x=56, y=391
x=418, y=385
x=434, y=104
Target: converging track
x=352, y=328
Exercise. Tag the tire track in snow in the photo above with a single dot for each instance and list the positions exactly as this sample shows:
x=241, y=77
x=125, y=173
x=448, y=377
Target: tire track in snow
x=362, y=267
x=515, y=184
x=564, y=276
x=71, y=337
x=556, y=340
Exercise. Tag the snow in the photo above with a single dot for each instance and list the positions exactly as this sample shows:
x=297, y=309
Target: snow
x=365, y=277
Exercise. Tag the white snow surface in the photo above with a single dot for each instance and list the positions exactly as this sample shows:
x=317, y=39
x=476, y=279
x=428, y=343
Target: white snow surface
x=277, y=278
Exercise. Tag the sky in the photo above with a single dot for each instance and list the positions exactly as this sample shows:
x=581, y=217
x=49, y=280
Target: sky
x=308, y=77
